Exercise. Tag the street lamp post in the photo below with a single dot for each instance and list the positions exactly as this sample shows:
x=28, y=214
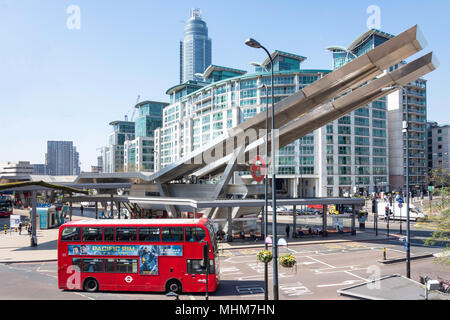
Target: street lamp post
x=255, y=44
x=405, y=130
x=408, y=230
x=266, y=200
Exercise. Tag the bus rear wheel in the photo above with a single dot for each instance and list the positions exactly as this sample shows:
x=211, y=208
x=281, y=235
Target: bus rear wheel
x=90, y=285
x=173, y=285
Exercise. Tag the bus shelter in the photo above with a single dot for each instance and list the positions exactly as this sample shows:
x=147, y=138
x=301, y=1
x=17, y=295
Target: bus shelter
x=34, y=187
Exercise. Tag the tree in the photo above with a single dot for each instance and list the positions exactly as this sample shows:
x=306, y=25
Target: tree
x=441, y=223
x=439, y=177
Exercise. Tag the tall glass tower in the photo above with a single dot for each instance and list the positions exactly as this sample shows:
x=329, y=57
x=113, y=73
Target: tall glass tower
x=195, y=49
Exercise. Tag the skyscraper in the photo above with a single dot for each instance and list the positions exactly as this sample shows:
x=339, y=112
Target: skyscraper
x=195, y=49
x=62, y=159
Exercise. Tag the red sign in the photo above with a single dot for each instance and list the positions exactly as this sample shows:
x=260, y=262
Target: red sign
x=258, y=168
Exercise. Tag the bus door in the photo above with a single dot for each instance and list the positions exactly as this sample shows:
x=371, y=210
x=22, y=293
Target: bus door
x=196, y=274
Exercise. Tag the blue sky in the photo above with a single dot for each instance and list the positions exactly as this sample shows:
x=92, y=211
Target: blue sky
x=61, y=84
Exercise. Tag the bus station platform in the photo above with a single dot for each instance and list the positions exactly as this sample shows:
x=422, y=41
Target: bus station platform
x=15, y=248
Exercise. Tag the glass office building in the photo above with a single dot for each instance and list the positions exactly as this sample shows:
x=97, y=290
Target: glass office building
x=139, y=152
x=195, y=48
x=113, y=153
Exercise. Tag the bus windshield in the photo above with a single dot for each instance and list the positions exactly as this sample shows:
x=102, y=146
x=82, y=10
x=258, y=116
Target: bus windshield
x=212, y=235
x=5, y=204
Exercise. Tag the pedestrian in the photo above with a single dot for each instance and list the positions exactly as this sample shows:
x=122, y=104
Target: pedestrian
x=288, y=228
x=20, y=227
x=29, y=229
x=81, y=209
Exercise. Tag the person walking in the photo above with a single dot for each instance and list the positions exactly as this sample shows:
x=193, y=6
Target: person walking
x=288, y=229
x=20, y=227
x=81, y=209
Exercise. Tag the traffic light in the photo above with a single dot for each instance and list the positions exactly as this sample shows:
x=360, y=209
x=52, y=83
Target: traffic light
x=387, y=211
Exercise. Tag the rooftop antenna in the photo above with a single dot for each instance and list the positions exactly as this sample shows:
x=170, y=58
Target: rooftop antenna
x=196, y=13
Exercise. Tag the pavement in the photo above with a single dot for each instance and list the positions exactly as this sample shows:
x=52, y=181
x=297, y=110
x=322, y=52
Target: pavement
x=15, y=248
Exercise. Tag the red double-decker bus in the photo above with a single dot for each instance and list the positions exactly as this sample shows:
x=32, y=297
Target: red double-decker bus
x=137, y=255
x=6, y=206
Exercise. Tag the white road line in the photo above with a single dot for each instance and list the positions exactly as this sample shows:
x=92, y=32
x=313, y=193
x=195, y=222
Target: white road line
x=347, y=282
x=84, y=296
x=320, y=262
x=191, y=297
x=349, y=273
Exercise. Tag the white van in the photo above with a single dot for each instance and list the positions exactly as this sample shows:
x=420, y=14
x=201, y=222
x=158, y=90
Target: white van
x=397, y=213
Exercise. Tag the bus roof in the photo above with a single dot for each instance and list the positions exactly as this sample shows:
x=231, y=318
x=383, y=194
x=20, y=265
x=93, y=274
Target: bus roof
x=125, y=222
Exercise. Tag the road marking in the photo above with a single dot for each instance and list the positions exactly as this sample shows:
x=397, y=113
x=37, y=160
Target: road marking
x=295, y=289
x=347, y=282
x=349, y=273
x=308, y=262
x=229, y=269
x=82, y=295
x=320, y=262
x=258, y=277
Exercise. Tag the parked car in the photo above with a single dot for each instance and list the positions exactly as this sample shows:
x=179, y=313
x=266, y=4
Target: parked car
x=282, y=210
x=307, y=211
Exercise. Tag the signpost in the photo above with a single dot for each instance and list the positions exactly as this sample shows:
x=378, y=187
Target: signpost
x=258, y=169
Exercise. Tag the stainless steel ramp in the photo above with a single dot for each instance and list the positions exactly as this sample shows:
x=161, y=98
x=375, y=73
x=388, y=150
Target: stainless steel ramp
x=393, y=287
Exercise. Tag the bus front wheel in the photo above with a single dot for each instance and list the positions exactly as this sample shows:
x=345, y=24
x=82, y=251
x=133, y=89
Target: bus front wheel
x=173, y=285
x=90, y=285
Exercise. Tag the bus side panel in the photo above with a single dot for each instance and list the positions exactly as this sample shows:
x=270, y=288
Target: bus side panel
x=171, y=268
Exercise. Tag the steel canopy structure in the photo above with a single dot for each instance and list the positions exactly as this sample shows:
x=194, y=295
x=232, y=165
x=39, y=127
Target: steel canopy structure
x=355, y=76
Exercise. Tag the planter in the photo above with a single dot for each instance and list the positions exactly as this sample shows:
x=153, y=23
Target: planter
x=287, y=261
x=265, y=256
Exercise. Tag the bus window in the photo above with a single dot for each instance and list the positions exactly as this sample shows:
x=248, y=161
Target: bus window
x=109, y=265
x=149, y=234
x=92, y=234
x=126, y=234
x=109, y=234
x=71, y=234
x=196, y=266
x=194, y=234
x=126, y=265
x=172, y=234
x=92, y=265
x=77, y=262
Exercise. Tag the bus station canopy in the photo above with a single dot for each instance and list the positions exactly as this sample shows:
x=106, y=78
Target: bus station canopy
x=37, y=186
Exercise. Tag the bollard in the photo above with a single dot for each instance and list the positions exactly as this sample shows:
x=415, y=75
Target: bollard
x=6, y=229
x=384, y=253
